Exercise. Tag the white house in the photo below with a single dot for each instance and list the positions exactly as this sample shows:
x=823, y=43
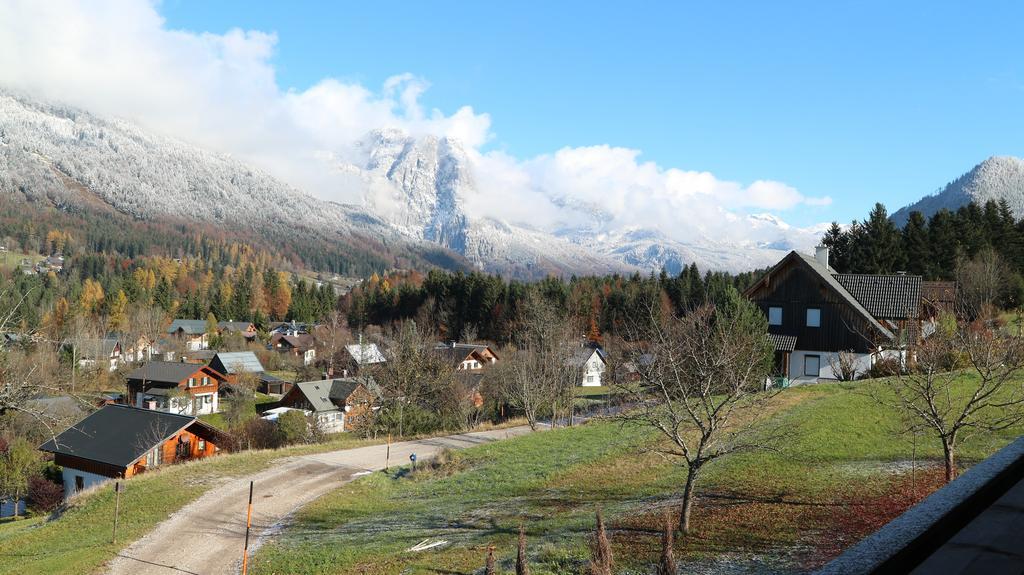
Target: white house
x=592, y=362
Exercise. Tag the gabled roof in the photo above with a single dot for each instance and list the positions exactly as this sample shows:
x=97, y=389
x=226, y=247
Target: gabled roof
x=302, y=341
x=100, y=348
x=235, y=362
x=366, y=353
x=580, y=357
x=119, y=435
x=188, y=326
x=825, y=273
x=168, y=371
x=242, y=326
x=896, y=296
x=327, y=394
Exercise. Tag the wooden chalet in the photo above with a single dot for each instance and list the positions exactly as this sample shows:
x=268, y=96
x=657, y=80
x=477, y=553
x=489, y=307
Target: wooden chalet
x=814, y=313
x=191, y=332
x=337, y=404
x=467, y=356
x=175, y=387
x=119, y=441
x=300, y=345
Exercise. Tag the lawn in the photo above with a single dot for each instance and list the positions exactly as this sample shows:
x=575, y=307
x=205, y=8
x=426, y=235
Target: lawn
x=842, y=474
x=80, y=540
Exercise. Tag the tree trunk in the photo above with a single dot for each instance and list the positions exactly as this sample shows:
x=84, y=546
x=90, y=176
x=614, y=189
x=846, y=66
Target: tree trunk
x=949, y=451
x=687, y=506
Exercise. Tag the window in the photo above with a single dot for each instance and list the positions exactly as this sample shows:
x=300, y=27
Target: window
x=812, y=365
x=79, y=483
x=191, y=382
x=206, y=380
x=201, y=445
x=775, y=316
x=813, y=317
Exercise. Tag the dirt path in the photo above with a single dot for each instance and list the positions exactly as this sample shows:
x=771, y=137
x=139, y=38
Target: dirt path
x=206, y=537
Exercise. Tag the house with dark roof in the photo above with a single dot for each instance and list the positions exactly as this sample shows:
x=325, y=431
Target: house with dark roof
x=300, y=345
x=825, y=325
x=192, y=332
x=119, y=441
x=104, y=352
x=337, y=404
x=467, y=356
x=175, y=387
x=247, y=329
x=591, y=361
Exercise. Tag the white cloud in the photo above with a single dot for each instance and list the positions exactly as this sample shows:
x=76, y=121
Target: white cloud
x=118, y=57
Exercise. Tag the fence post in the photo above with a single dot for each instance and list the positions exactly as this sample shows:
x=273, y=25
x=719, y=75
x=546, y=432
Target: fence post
x=248, y=525
x=117, y=509
x=387, y=454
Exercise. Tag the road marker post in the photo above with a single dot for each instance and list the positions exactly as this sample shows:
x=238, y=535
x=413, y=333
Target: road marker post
x=117, y=509
x=248, y=526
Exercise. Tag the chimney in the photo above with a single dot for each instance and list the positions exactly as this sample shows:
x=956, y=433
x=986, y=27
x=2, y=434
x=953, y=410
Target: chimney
x=821, y=254
x=344, y=373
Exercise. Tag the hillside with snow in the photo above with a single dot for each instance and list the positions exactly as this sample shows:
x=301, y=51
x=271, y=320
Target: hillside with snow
x=997, y=178
x=416, y=193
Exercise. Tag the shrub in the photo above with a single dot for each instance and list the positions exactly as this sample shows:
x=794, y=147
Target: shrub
x=44, y=495
x=293, y=426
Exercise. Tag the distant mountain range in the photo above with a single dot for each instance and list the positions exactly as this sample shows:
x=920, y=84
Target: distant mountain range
x=997, y=178
x=68, y=158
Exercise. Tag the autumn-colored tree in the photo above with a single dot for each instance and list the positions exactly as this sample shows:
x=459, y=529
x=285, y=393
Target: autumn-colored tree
x=92, y=296
x=118, y=312
x=281, y=300
x=601, y=550
x=594, y=333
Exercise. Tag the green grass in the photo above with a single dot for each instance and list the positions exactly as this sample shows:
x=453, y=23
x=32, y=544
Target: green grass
x=834, y=465
x=13, y=259
x=79, y=541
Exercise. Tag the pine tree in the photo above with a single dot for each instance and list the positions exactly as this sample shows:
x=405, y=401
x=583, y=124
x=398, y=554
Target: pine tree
x=838, y=243
x=916, y=246
x=881, y=243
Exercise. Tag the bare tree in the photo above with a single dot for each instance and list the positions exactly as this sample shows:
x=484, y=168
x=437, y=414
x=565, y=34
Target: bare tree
x=415, y=375
x=331, y=338
x=601, y=550
x=965, y=381
x=537, y=373
x=844, y=365
x=704, y=391
x=982, y=283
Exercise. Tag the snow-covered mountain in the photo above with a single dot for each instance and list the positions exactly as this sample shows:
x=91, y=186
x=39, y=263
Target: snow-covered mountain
x=427, y=181
x=997, y=178
x=416, y=189
x=56, y=155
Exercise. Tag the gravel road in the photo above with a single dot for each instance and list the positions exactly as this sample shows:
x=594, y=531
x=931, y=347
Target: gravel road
x=206, y=537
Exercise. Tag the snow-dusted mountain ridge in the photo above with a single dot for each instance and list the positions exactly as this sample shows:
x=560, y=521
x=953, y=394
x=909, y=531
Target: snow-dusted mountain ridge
x=416, y=191
x=997, y=178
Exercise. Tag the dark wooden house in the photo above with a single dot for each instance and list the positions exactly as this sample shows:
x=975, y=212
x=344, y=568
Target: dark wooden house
x=821, y=321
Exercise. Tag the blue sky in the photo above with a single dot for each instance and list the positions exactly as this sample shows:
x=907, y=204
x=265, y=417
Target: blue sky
x=861, y=102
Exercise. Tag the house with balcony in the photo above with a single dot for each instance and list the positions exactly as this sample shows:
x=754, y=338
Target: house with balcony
x=175, y=387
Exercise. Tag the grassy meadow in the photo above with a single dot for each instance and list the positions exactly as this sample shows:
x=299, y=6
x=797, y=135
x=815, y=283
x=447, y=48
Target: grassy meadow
x=845, y=472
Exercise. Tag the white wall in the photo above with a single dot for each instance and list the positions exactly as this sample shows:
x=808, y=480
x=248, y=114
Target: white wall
x=863, y=362
x=89, y=480
x=593, y=371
